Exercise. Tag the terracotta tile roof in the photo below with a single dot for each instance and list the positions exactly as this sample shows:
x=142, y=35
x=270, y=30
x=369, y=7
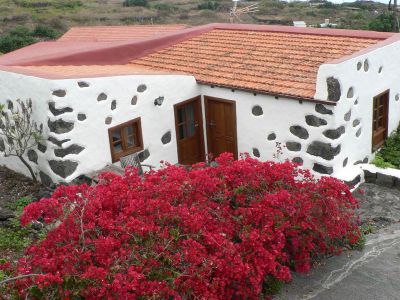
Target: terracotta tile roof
x=284, y=63
x=118, y=33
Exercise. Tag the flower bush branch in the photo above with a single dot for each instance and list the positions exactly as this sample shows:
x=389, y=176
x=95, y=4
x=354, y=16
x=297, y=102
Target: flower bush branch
x=209, y=232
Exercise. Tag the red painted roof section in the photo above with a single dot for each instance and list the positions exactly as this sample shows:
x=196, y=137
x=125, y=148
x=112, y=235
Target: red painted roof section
x=268, y=59
x=118, y=33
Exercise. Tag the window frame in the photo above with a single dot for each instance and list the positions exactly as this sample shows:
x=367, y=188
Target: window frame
x=136, y=124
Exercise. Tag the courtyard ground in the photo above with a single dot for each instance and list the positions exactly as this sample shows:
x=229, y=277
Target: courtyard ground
x=373, y=273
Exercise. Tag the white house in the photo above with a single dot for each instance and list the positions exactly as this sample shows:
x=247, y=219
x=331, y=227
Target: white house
x=330, y=97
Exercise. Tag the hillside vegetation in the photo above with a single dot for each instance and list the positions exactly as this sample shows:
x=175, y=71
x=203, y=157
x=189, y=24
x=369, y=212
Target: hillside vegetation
x=54, y=17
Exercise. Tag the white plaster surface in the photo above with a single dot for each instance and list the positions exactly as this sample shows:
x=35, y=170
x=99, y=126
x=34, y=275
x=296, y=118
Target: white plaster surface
x=366, y=85
x=252, y=131
x=92, y=133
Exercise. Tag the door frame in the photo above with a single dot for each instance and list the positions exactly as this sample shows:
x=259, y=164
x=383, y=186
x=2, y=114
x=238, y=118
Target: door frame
x=200, y=125
x=206, y=110
x=386, y=119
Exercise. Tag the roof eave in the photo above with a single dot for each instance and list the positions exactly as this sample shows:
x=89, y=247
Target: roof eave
x=293, y=97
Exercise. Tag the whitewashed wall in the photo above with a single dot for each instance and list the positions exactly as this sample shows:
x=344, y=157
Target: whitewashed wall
x=368, y=75
x=15, y=86
x=279, y=114
x=92, y=132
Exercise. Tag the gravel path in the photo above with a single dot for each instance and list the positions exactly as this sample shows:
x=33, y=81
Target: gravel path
x=373, y=273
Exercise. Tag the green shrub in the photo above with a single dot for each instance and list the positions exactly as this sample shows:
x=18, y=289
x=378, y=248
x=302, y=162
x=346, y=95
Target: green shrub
x=44, y=32
x=15, y=39
x=381, y=163
x=164, y=7
x=390, y=152
x=211, y=5
x=384, y=22
x=21, y=36
x=143, y=3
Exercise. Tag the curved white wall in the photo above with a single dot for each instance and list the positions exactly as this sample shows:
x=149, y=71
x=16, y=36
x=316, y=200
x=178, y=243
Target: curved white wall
x=383, y=73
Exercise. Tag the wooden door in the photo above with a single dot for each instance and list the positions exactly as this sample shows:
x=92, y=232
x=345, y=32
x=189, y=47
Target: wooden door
x=189, y=131
x=221, y=126
x=380, y=120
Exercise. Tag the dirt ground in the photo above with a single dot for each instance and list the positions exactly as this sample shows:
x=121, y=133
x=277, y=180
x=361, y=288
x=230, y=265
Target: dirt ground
x=14, y=186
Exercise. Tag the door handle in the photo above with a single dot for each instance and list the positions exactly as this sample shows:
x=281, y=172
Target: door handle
x=212, y=123
x=196, y=125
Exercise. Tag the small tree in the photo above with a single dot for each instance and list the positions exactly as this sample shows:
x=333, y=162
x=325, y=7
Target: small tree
x=20, y=132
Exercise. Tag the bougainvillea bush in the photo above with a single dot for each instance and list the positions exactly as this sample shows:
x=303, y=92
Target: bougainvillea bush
x=223, y=232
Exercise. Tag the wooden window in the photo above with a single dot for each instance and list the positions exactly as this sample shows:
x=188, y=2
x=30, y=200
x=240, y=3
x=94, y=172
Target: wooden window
x=125, y=139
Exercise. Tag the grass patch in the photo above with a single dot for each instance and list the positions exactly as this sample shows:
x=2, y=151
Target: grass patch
x=15, y=237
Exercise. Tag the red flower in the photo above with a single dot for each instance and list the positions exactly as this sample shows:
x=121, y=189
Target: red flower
x=209, y=233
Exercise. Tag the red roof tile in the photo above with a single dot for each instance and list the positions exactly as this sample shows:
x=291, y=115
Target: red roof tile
x=118, y=33
x=279, y=60
x=270, y=62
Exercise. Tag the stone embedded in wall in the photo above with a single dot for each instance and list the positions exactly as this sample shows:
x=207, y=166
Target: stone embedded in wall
x=356, y=122
x=60, y=111
x=323, y=110
x=257, y=110
x=134, y=100
x=63, y=168
x=113, y=104
x=350, y=93
x=396, y=97
x=359, y=65
x=166, y=138
x=108, y=120
x=297, y=160
x=324, y=150
x=144, y=155
x=293, y=146
x=356, y=102
x=271, y=136
x=347, y=116
x=358, y=133
x=322, y=169
x=42, y=148
x=346, y=160
x=353, y=182
x=72, y=149
x=141, y=88
x=83, y=84
x=101, y=97
x=314, y=121
x=299, y=131
x=81, y=117
x=365, y=160
x=366, y=65
x=159, y=101
x=60, y=126
x=334, y=89
x=45, y=179
x=59, y=93
x=2, y=145
x=56, y=141
x=334, y=134
x=10, y=105
x=358, y=162
x=32, y=156
x=256, y=152
x=380, y=69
